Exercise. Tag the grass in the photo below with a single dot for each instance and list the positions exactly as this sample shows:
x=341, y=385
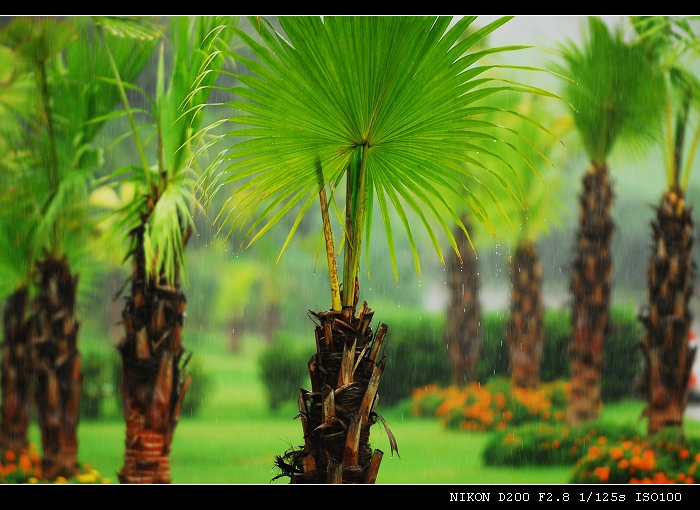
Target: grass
x=234, y=439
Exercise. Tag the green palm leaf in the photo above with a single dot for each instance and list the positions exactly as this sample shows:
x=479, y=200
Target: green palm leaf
x=614, y=88
x=386, y=103
x=166, y=188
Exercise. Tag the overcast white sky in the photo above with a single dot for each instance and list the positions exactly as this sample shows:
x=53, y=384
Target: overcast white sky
x=540, y=29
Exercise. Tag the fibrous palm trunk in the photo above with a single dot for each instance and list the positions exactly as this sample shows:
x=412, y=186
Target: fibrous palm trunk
x=154, y=383
x=338, y=412
x=464, y=332
x=16, y=374
x=590, y=287
x=58, y=376
x=525, y=330
x=667, y=318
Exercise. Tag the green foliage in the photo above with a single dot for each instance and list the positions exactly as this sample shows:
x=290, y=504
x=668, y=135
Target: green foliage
x=165, y=180
x=541, y=443
x=615, y=90
x=416, y=353
x=384, y=103
x=98, y=384
x=203, y=383
x=284, y=368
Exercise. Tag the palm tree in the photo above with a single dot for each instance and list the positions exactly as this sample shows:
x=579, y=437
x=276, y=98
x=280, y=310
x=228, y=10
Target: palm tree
x=613, y=90
x=541, y=207
x=463, y=334
x=673, y=45
x=16, y=107
x=385, y=104
x=70, y=95
x=159, y=222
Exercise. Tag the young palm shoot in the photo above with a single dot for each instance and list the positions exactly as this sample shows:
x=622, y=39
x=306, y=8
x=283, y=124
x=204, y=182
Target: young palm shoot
x=357, y=113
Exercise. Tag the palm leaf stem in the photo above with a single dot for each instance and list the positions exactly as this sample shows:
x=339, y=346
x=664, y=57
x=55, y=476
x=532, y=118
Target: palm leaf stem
x=330, y=249
x=356, y=198
x=52, y=165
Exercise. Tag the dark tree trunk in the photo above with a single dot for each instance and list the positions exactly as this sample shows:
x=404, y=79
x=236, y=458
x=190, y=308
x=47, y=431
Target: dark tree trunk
x=464, y=332
x=338, y=412
x=667, y=319
x=16, y=376
x=525, y=329
x=153, y=376
x=58, y=377
x=590, y=287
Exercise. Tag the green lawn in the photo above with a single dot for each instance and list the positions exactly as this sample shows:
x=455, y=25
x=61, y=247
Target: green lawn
x=234, y=439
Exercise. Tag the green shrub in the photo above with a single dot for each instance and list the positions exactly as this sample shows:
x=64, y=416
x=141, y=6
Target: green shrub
x=416, y=353
x=541, y=443
x=98, y=385
x=201, y=386
x=284, y=367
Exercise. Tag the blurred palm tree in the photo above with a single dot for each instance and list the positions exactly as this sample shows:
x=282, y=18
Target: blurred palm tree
x=672, y=44
x=16, y=109
x=463, y=331
x=388, y=105
x=158, y=218
x=531, y=218
x=50, y=197
x=614, y=90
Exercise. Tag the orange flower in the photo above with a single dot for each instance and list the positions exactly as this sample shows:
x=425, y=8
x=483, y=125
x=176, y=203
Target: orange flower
x=602, y=472
x=684, y=454
x=602, y=440
x=9, y=455
x=25, y=462
x=623, y=464
x=616, y=453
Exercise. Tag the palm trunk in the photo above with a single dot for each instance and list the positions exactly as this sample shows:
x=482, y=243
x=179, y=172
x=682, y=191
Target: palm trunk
x=339, y=410
x=16, y=376
x=464, y=333
x=57, y=367
x=667, y=319
x=590, y=286
x=525, y=330
x=152, y=363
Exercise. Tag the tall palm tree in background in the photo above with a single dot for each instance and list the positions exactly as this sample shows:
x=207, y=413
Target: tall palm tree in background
x=16, y=109
x=385, y=104
x=532, y=218
x=70, y=94
x=464, y=334
x=159, y=221
x=613, y=90
x=673, y=45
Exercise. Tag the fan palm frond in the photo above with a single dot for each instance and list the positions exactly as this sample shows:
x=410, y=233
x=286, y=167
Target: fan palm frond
x=388, y=103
